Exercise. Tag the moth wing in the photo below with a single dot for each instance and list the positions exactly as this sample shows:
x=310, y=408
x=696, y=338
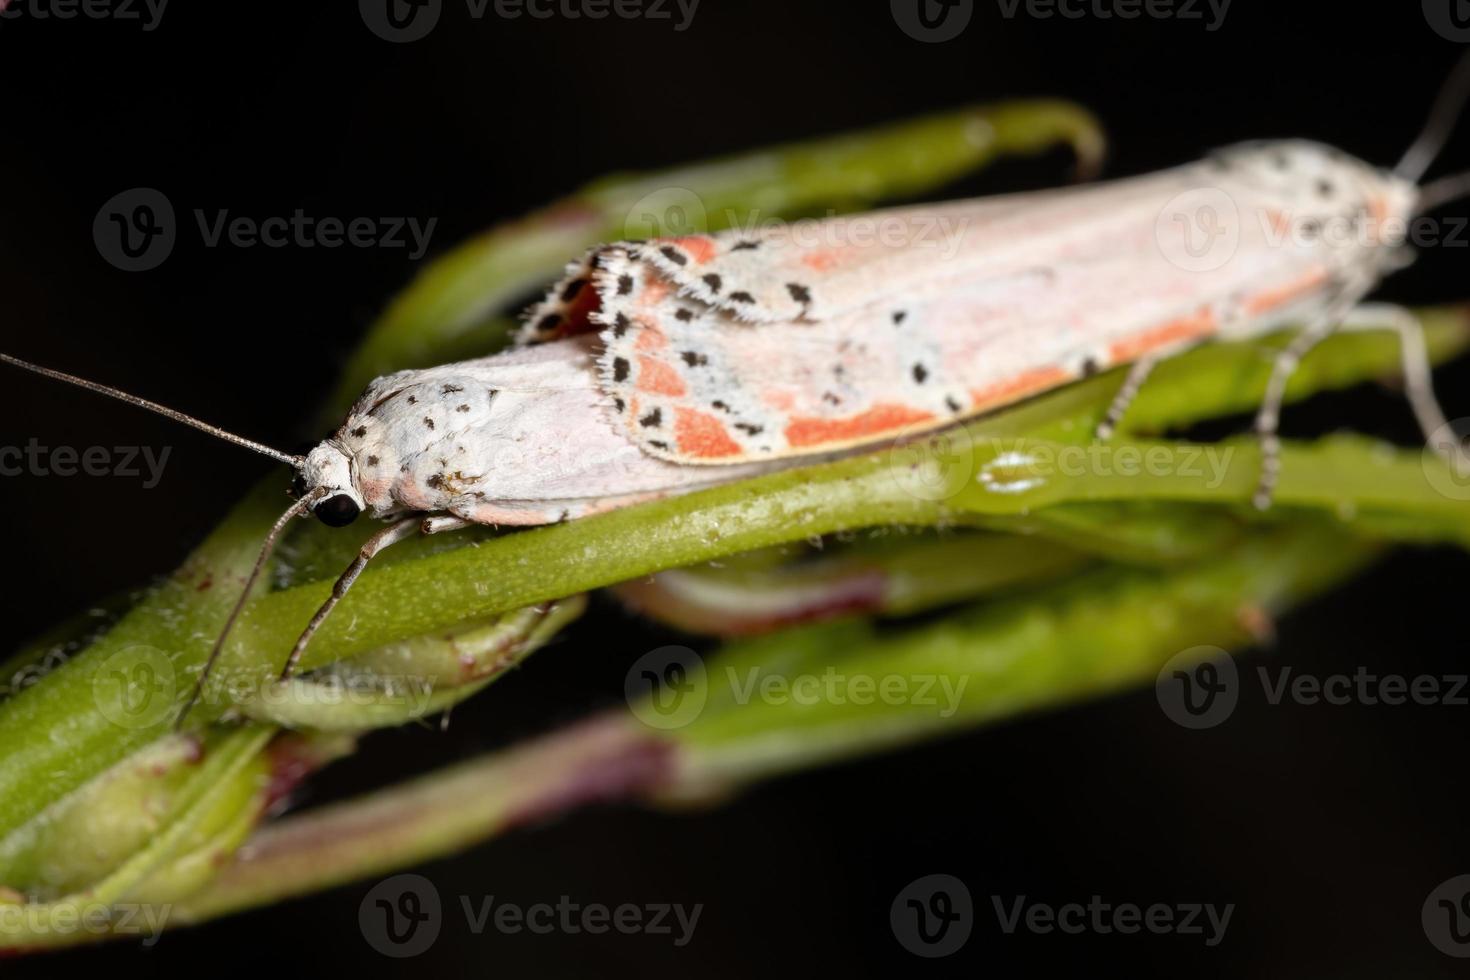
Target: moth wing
x=897, y=337
x=815, y=269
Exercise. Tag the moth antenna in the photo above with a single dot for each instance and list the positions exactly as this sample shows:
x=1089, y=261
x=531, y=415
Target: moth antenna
x=1448, y=106
x=1438, y=193
x=298, y=509
x=163, y=410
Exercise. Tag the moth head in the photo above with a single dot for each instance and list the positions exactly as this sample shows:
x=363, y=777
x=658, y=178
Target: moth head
x=1316, y=176
x=326, y=474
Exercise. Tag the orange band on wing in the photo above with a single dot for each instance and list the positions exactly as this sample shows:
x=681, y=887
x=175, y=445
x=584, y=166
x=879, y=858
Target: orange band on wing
x=1201, y=324
x=658, y=378
x=698, y=248
x=821, y=260
x=1014, y=389
x=649, y=339
x=1281, y=295
x=876, y=421
x=703, y=436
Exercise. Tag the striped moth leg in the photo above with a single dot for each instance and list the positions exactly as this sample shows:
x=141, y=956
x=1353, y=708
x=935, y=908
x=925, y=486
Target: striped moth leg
x=1417, y=378
x=1138, y=373
x=1417, y=373
x=374, y=546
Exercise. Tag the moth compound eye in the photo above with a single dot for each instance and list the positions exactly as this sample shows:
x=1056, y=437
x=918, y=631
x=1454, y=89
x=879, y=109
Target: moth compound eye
x=298, y=486
x=338, y=511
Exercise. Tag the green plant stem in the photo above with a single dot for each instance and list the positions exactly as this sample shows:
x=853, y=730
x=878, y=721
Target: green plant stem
x=1110, y=629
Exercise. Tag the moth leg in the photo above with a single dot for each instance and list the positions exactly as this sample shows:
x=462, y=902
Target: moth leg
x=1268, y=417
x=443, y=523
x=1137, y=374
x=374, y=546
x=1417, y=373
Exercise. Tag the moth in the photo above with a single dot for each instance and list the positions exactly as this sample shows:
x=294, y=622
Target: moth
x=663, y=366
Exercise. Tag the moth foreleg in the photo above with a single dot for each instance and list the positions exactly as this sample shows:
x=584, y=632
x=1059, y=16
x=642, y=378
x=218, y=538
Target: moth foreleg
x=374, y=546
x=1417, y=374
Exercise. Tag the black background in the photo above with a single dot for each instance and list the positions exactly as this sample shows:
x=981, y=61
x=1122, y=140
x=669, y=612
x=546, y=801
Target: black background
x=1326, y=827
